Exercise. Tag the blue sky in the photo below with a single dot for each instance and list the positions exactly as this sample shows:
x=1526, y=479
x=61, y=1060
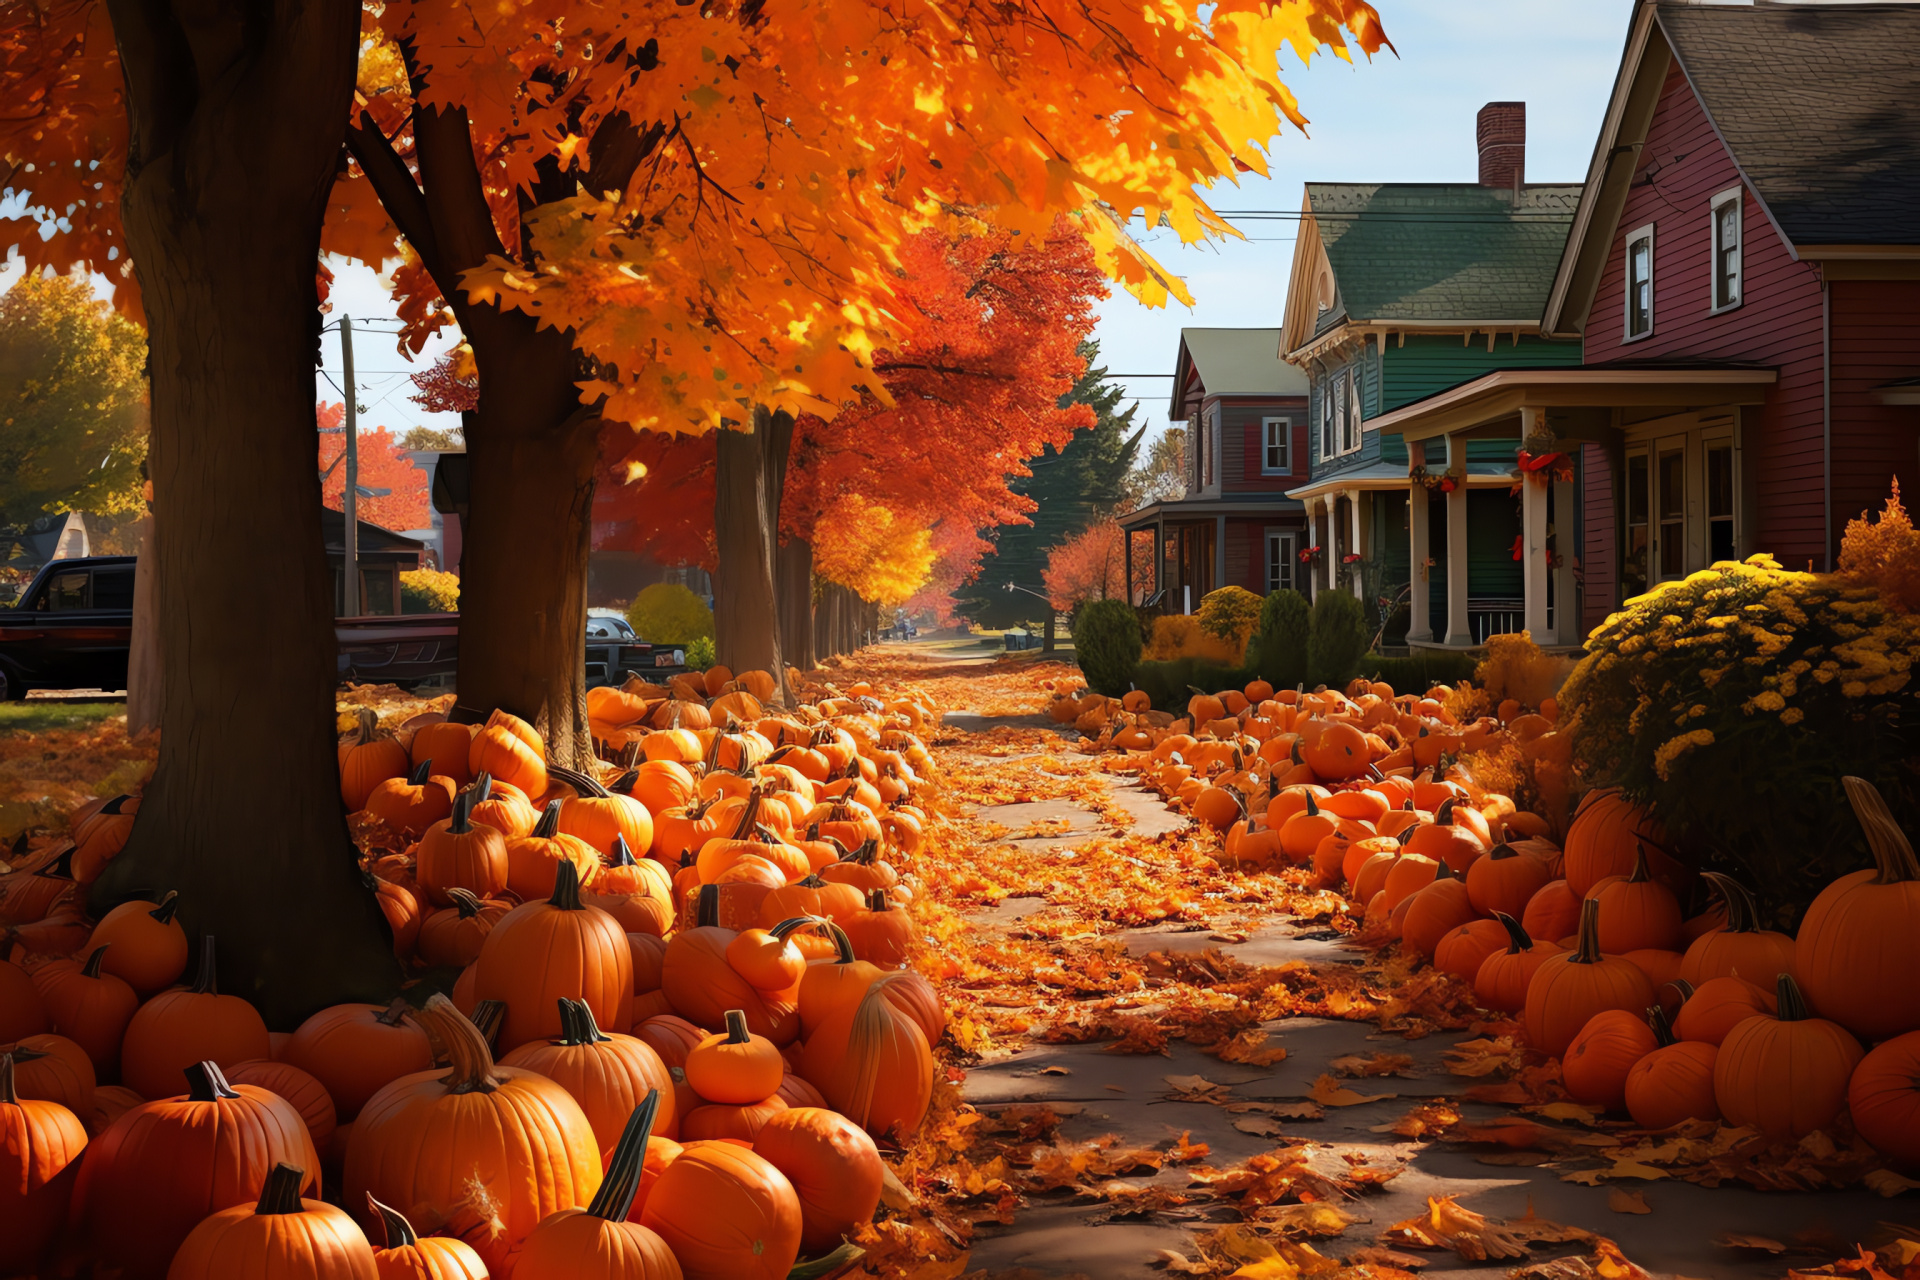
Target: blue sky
x=1395, y=119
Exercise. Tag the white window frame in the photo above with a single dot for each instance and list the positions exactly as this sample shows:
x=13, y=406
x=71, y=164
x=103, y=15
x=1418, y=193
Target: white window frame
x=1626, y=319
x=1338, y=445
x=1350, y=439
x=1731, y=196
x=1270, y=427
x=1283, y=551
x=1326, y=420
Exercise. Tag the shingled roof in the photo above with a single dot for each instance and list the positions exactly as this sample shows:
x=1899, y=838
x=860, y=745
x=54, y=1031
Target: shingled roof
x=1233, y=362
x=1820, y=106
x=1439, y=251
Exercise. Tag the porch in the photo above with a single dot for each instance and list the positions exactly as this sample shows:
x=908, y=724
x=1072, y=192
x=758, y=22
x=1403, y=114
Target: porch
x=1189, y=547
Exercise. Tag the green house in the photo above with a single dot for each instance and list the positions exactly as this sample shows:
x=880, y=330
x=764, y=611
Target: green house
x=1399, y=293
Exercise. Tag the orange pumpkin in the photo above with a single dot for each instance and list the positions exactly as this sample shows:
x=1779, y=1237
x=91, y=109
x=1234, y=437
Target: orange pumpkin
x=1637, y=912
x=452, y=935
x=1741, y=947
x=834, y=1167
x=1601, y=1057
x=608, y=1075
x=186, y=1025
x=1786, y=1075
x=1718, y=1006
x=872, y=1063
x=881, y=935
x=149, y=948
x=1602, y=838
x=100, y=831
x=281, y=1236
x=509, y=748
x=308, y=1096
x=406, y=1256
x=726, y=1213
x=599, y=1242
x=86, y=1005
x=460, y=853
x=1673, y=1083
x=735, y=1067
x=533, y=858
x=413, y=803
x=702, y=986
x=40, y=1148
x=541, y=951
x=1435, y=911
x=443, y=747
x=1859, y=943
x=1884, y=1097
x=368, y=758
x=355, y=1050
x=1464, y=949
x=598, y=815
x=1505, y=880
x=1552, y=913
x=49, y=1068
x=1569, y=989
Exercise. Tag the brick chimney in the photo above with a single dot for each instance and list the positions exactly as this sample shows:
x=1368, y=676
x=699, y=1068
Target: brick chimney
x=1501, y=129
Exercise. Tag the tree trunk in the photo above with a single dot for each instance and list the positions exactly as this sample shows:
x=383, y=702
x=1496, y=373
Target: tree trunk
x=746, y=624
x=1047, y=636
x=793, y=590
x=143, y=653
x=234, y=114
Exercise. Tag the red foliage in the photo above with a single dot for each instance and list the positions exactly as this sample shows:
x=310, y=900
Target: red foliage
x=1089, y=566
x=383, y=465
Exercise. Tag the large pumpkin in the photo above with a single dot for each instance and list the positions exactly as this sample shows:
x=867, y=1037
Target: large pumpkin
x=280, y=1237
x=1884, y=1097
x=162, y=1167
x=308, y=1096
x=726, y=1213
x=428, y=1139
x=542, y=951
x=873, y=1064
x=1859, y=944
x=40, y=1148
x=87, y=1006
x=178, y=1028
x=1602, y=839
x=834, y=1167
x=406, y=1256
x=1785, y=1075
x=608, y=1075
x=702, y=986
x=598, y=1242
x=1435, y=911
x=356, y=1050
x=1569, y=989
x=1505, y=880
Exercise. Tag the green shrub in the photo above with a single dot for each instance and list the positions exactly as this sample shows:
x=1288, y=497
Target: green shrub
x=1336, y=639
x=1229, y=614
x=1170, y=684
x=1734, y=701
x=1108, y=642
x=668, y=613
x=1419, y=671
x=1278, y=650
x=700, y=654
x=429, y=591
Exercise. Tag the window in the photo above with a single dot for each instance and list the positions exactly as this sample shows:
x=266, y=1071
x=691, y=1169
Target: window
x=1720, y=530
x=67, y=591
x=1339, y=443
x=1350, y=437
x=113, y=588
x=1328, y=396
x=1281, y=558
x=1277, y=445
x=1671, y=498
x=376, y=592
x=1640, y=283
x=1633, y=568
x=1726, y=250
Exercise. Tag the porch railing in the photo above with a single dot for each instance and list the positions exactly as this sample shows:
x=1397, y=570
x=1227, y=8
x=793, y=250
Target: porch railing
x=1495, y=616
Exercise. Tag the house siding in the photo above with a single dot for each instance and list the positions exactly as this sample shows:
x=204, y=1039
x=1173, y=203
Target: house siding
x=1875, y=337
x=1682, y=166
x=1599, y=539
x=1428, y=363
x=1242, y=445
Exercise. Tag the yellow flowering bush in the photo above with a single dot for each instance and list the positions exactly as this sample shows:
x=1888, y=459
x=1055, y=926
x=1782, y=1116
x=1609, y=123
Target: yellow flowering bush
x=1735, y=700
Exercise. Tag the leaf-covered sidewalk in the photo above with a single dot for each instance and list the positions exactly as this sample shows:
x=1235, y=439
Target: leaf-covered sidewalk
x=1162, y=1066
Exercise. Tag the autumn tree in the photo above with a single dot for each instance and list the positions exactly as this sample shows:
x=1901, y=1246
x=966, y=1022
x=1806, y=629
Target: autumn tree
x=1162, y=474
x=383, y=464
x=185, y=152
x=73, y=430
x=1091, y=565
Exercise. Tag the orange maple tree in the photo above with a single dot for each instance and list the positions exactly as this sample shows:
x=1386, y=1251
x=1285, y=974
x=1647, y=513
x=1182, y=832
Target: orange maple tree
x=383, y=464
x=1091, y=565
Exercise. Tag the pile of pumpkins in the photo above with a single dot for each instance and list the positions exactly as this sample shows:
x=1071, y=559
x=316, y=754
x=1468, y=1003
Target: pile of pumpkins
x=681, y=1029
x=1652, y=1012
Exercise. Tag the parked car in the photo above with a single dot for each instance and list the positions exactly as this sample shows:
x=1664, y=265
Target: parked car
x=614, y=649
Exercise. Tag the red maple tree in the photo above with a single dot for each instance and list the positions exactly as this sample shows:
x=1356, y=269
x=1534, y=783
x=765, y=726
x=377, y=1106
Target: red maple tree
x=1091, y=565
x=383, y=464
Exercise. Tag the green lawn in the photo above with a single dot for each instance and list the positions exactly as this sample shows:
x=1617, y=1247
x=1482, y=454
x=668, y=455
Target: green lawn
x=39, y=717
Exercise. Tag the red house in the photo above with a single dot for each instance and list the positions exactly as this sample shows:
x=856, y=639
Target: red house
x=1244, y=414
x=1743, y=272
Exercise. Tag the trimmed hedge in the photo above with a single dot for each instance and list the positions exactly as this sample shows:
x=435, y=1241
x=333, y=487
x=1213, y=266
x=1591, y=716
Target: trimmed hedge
x=1336, y=639
x=1107, y=641
x=1170, y=684
x=1278, y=649
x=1420, y=671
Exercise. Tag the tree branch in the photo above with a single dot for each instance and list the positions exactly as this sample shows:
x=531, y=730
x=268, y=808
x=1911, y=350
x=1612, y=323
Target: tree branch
x=399, y=194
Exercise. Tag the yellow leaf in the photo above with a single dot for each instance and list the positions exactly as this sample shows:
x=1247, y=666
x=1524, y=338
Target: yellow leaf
x=1274, y=1268
x=1329, y=1092
x=1885, y=1182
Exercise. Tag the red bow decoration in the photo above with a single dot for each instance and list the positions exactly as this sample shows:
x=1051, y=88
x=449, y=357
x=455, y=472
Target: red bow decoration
x=1545, y=468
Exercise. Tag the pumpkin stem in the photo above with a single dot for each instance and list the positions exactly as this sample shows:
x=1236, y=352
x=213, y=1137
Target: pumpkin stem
x=582, y=784
x=1313, y=810
x=1892, y=854
x=566, y=886
x=577, y=1026
x=400, y=1232
x=1293, y=753
x=467, y=1051
x=623, y=785
x=1406, y=806
x=396, y=1011
x=1684, y=987
x=1518, y=939
x=1443, y=816
x=1443, y=871
x=369, y=726
x=1588, y=952
x=1641, y=874
x=465, y=903
x=549, y=823
x=620, y=855
x=1503, y=850
x=91, y=969
x=487, y=1016
x=460, y=821
x=418, y=778
x=281, y=1194
x=168, y=905
x=614, y=1200
x=1662, y=1029
x=1742, y=915
x=205, y=1083
x=1405, y=834
x=750, y=814
x=203, y=983
x=737, y=1032
x=8, y=1095
x=706, y=910
x=1792, y=1005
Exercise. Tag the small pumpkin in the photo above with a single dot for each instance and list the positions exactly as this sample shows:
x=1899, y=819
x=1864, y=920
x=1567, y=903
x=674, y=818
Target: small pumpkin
x=460, y=853
x=1505, y=880
x=882, y=935
x=1741, y=947
x=413, y=803
x=1466, y=948
x=508, y=748
x=149, y=947
x=736, y=1067
x=1601, y=1057
x=1717, y=1006
x=636, y=892
x=408, y=1256
x=1638, y=912
x=453, y=935
x=1569, y=989
x=1673, y=1083
x=600, y=815
x=186, y=1025
x=533, y=858
x=1552, y=913
x=443, y=747
x=281, y=1237
x=599, y=1242
x=368, y=757
x=1435, y=910
x=702, y=986
x=52, y=1068
x=40, y=1148
x=1786, y=1075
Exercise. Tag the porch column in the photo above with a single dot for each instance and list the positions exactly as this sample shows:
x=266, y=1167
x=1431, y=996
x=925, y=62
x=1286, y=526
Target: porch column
x=1533, y=533
x=1219, y=552
x=1458, y=630
x=1330, y=562
x=1420, y=591
x=1567, y=625
x=1353, y=502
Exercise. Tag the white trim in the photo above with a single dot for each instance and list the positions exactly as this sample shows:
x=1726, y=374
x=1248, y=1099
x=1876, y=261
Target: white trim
x=1731, y=196
x=1556, y=388
x=1267, y=424
x=1283, y=550
x=1627, y=242
x=1356, y=418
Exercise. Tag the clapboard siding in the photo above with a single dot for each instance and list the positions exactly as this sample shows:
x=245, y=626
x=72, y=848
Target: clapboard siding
x=1875, y=330
x=1599, y=545
x=1681, y=168
x=1242, y=444
x=1426, y=364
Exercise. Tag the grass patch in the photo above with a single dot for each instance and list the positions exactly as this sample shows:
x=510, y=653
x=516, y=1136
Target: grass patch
x=43, y=717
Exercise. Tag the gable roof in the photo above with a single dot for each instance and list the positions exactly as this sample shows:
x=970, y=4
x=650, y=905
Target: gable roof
x=1233, y=362
x=1433, y=252
x=1818, y=106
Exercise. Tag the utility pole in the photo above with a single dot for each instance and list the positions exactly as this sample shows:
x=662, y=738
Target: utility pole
x=350, y=568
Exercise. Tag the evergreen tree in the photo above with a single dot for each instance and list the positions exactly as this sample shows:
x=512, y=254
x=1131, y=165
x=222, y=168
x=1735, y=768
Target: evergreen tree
x=1072, y=487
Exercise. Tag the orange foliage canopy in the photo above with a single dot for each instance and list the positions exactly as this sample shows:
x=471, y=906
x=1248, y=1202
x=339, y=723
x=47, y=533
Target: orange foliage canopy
x=1885, y=554
x=383, y=464
x=1091, y=565
x=722, y=195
